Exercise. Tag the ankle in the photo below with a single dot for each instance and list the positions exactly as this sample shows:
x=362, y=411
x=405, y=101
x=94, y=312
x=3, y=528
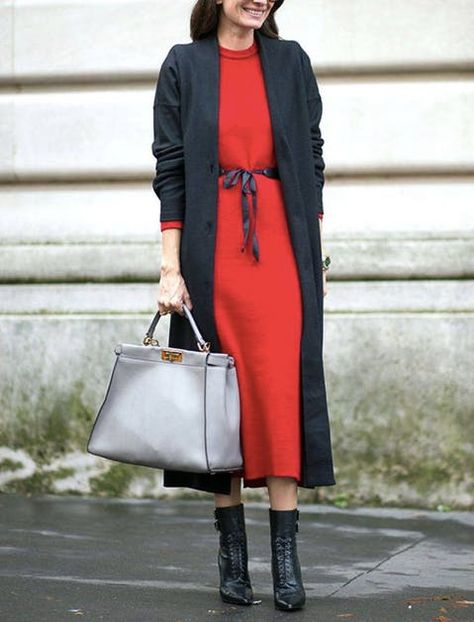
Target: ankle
x=227, y=504
x=230, y=518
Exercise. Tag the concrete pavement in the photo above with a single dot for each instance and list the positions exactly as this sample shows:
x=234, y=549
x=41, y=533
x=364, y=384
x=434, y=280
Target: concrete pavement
x=117, y=560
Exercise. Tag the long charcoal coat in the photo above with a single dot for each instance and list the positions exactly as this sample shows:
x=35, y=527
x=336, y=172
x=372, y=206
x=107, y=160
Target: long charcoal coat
x=186, y=150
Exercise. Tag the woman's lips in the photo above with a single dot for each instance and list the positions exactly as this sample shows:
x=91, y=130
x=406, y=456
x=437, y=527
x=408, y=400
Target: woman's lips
x=254, y=12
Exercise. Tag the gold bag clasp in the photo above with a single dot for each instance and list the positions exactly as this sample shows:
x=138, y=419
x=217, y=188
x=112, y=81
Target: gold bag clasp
x=169, y=355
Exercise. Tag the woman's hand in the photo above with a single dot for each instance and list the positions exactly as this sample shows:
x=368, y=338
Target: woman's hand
x=173, y=292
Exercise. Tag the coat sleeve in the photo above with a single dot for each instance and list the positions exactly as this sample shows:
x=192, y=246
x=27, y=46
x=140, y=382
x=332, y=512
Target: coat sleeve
x=167, y=146
x=315, y=110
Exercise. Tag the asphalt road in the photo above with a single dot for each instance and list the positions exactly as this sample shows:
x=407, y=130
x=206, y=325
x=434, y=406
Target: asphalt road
x=68, y=557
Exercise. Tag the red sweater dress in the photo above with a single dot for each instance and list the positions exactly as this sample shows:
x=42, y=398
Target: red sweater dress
x=257, y=303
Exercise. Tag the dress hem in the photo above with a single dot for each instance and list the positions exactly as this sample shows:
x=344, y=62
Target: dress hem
x=261, y=482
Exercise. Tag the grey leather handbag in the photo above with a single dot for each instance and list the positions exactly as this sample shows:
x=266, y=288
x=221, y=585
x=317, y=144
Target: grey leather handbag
x=170, y=408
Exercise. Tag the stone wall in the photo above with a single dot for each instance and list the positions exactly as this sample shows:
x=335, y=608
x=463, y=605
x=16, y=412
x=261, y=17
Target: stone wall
x=80, y=240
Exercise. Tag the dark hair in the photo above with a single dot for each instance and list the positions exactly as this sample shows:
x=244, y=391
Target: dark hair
x=205, y=18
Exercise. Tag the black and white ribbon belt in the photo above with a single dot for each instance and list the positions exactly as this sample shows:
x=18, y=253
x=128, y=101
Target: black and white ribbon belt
x=249, y=186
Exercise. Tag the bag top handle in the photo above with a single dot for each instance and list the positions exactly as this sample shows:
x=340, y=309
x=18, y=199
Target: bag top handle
x=204, y=346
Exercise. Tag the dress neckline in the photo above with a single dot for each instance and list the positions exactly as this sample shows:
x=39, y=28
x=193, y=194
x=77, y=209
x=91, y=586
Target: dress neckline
x=245, y=53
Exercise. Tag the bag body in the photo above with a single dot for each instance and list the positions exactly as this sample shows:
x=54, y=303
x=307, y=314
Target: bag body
x=170, y=408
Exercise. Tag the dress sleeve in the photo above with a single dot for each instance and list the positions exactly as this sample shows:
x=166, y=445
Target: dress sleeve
x=315, y=110
x=171, y=224
x=167, y=146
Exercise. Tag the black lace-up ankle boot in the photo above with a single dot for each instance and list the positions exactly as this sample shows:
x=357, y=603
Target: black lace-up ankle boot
x=232, y=558
x=287, y=582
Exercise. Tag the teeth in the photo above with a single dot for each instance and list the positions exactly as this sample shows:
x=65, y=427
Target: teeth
x=254, y=12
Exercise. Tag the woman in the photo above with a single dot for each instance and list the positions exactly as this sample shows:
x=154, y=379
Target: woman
x=236, y=118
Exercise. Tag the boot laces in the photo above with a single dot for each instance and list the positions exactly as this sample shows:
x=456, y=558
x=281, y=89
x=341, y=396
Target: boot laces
x=284, y=549
x=235, y=548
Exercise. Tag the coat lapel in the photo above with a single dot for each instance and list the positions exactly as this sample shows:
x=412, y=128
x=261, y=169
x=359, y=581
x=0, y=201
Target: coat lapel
x=271, y=67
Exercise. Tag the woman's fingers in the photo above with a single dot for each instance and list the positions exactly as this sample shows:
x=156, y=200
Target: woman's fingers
x=163, y=298
x=163, y=309
x=170, y=305
x=172, y=295
x=177, y=305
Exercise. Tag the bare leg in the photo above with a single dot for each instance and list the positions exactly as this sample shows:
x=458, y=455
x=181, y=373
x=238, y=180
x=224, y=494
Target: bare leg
x=223, y=501
x=283, y=493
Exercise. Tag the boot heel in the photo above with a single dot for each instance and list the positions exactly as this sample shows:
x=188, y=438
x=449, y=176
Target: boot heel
x=288, y=589
x=232, y=558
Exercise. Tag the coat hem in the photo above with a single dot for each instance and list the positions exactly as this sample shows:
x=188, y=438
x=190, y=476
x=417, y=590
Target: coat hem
x=220, y=483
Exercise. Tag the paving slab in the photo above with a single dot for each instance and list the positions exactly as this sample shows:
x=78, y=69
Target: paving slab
x=129, y=560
